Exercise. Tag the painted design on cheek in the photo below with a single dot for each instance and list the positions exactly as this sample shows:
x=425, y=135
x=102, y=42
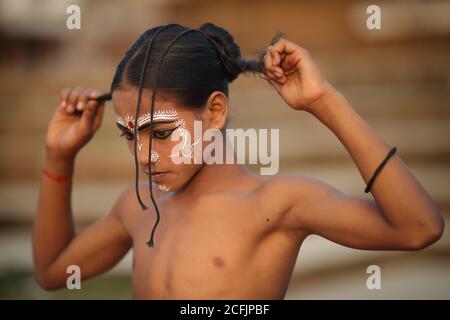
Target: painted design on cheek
x=186, y=150
x=163, y=188
x=154, y=158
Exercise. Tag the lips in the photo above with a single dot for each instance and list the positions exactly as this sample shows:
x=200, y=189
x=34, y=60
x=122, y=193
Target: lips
x=157, y=174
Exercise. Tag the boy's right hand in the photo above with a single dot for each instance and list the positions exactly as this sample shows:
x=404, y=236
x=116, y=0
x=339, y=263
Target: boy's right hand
x=76, y=119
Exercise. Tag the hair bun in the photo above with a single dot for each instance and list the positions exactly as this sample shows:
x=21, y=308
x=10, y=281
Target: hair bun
x=234, y=65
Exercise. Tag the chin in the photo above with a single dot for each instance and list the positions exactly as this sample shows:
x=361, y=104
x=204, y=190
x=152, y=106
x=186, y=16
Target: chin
x=164, y=188
x=176, y=182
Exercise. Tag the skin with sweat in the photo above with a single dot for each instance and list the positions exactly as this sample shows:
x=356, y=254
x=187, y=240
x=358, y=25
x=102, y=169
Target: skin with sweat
x=224, y=232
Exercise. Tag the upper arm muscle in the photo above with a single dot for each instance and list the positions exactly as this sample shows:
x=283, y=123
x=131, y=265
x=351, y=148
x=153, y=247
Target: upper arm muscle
x=95, y=249
x=318, y=208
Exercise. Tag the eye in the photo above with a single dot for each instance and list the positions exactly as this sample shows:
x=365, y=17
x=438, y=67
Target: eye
x=127, y=135
x=163, y=134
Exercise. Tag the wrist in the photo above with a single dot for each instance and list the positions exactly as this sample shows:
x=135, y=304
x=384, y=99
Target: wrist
x=327, y=105
x=59, y=166
x=320, y=105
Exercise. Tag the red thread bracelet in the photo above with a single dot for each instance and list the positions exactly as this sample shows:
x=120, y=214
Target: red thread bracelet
x=56, y=178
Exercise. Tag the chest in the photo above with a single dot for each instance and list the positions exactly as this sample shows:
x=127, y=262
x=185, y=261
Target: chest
x=197, y=246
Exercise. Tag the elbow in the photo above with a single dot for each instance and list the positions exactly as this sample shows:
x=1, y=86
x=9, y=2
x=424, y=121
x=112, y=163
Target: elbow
x=426, y=238
x=45, y=282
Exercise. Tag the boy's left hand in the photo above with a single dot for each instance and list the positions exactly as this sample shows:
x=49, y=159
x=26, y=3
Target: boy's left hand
x=291, y=70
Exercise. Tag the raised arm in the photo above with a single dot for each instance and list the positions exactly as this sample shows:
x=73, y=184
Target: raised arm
x=55, y=243
x=402, y=216
x=315, y=207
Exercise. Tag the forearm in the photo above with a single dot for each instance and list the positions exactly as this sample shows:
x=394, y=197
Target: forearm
x=53, y=226
x=401, y=198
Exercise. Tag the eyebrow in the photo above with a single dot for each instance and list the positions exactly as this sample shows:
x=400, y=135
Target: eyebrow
x=122, y=127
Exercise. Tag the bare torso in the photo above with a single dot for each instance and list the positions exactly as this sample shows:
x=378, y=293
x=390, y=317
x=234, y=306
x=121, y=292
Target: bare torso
x=223, y=245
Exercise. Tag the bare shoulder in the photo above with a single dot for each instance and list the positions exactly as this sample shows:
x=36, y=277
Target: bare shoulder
x=282, y=192
x=127, y=205
x=285, y=186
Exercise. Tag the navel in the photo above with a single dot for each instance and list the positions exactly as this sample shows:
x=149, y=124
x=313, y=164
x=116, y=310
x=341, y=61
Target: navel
x=218, y=262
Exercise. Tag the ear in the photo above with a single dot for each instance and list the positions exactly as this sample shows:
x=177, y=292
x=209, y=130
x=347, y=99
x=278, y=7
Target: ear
x=215, y=111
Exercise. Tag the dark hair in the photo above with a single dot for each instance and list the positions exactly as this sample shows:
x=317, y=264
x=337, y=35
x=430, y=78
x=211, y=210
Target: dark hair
x=186, y=64
x=197, y=64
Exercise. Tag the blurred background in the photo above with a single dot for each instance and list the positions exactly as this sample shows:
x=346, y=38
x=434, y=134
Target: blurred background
x=396, y=78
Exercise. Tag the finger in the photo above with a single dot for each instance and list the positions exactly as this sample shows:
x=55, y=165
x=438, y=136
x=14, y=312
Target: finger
x=275, y=73
x=285, y=46
x=272, y=58
x=72, y=100
x=267, y=60
x=270, y=74
x=275, y=57
x=94, y=94
x=62, y=106
x=273, y=83
x=276, y=64
x=64, y=95
x=269, y=63
x=83, y=99
x=291, y=53
x=282, y=80
x=87, y=118
x=279, y=81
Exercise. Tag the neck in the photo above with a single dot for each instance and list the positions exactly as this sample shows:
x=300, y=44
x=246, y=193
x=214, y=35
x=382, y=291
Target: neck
x=214, y=177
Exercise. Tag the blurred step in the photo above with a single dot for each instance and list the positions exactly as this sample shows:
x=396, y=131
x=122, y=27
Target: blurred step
x=415, y=277
x=316, y=255
x=302, y=137
x=251, y=98
x=92, y=199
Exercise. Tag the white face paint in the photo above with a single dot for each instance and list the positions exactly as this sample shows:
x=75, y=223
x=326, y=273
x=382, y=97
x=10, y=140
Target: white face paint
x=170, y=115
x=160, y=116
x=127, y=121
x=187, y=148
x=163, y=188
x=155, y=157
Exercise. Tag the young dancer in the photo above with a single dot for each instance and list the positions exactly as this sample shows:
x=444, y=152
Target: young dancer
x=219, y=231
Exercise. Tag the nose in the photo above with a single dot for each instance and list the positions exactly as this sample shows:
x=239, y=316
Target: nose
x=142, y=157
x=142, y=154
x=141, y=151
